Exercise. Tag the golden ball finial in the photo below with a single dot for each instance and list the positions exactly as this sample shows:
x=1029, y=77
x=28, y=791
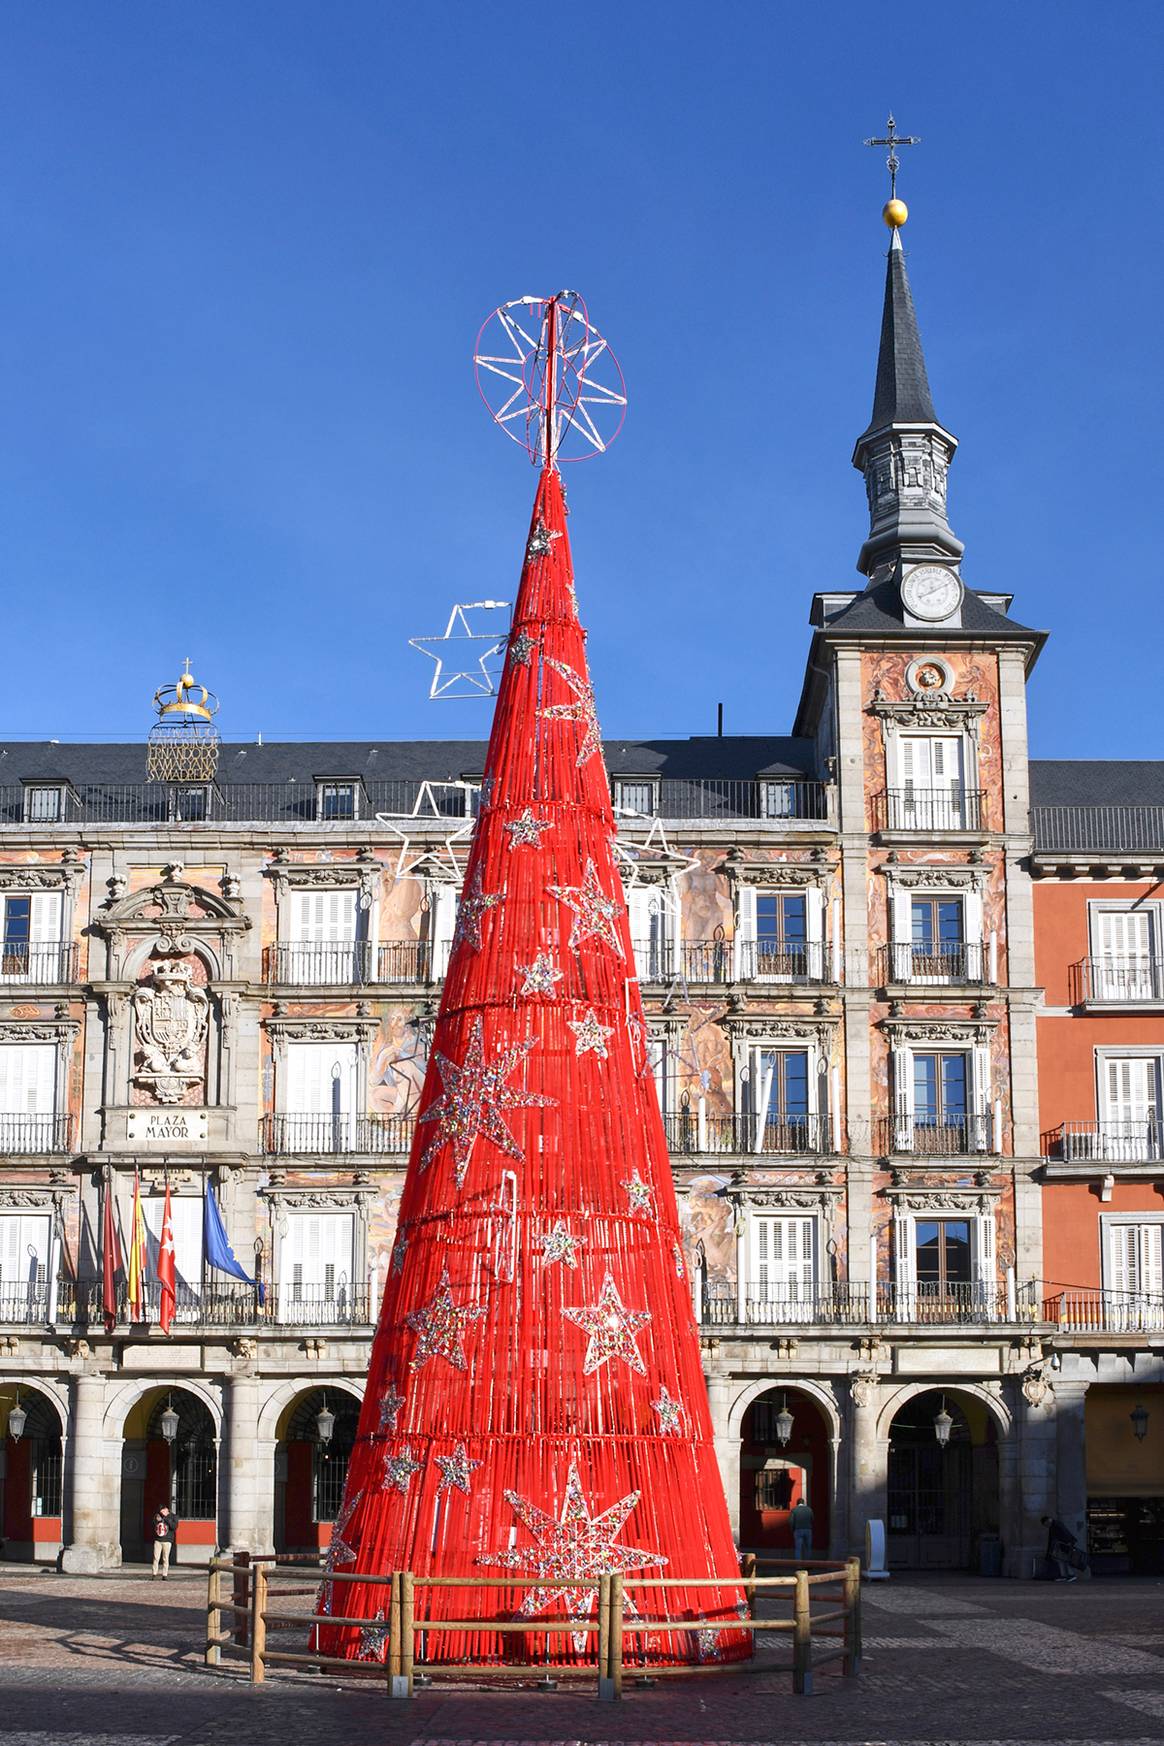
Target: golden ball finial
x=895, y=212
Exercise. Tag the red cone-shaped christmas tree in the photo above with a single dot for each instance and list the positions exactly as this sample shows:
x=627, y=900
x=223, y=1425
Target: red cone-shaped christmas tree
x=535, y=1404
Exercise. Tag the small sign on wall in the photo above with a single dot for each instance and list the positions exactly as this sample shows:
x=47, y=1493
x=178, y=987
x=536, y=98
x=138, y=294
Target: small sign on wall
x=166, y=1127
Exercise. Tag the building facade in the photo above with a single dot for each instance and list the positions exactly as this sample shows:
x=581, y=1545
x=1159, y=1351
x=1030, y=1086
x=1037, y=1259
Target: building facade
x=229, y=986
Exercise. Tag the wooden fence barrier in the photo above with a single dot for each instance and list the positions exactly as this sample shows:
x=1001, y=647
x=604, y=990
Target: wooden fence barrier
x=258, y=1583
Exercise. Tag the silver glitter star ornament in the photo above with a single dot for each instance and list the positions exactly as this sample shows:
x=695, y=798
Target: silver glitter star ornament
x=638, y=1194
x=474, y=1095
x=580, y=710
x=475, y=904
x=440, y=1323
x=595, y=914
x=670, y=1413
x=540, y=976
x=612, y=1329
x=374, y=1639
x=590, y=1036
x=390, y=1404
x=527, y=829
x=560, y=1244
x=455, y=1469
x=398, y=1471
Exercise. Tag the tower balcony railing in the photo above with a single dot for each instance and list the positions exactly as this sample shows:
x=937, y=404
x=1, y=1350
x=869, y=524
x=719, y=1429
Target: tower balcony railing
x=693, y=1131
x=1109, y=1142
x=936, y=1136
x=35, y=961
x=947, y=963
x=939, y=810
x=24, y=1135
x=1092, y=1310
x=1112, y=829
x=1112, y=980
x=310, y=1134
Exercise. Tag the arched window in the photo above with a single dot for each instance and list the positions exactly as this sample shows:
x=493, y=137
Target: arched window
x=193, y=1457
x=42, y=1434
x=329, y=1461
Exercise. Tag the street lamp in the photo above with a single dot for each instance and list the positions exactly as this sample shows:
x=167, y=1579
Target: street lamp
x=943, y=1425
x=783, y=1423
x=18, y=1418
x=1138, y=1416
x=169, y=1421
x=324, y=1423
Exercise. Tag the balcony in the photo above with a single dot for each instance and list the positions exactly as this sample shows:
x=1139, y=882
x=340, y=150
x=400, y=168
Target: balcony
x=1108, y=1142
x=936, y=810
x=320, y=964
x=692, y=1132
x=831, y=1304
x=950, y=963
x=405, y=961
x=723, y=961
x=30, y=1135
x=1092, y=1311
x=315, y=1135
x=936, y=1137
x=35, y=962
x=1103, y=830
x=217, y=1304
x=951, y=1305
x=1115, y=981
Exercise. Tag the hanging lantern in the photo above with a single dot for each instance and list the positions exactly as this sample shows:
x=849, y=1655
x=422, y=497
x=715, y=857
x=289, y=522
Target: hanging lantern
x=1138, y=1416
x=18, y=1418
x=324, y=1423
x=783, y=1424
x=943, y=1425
x=183, y=742
x=169, y=1422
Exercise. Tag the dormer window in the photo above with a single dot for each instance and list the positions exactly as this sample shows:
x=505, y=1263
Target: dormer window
x=637, y=795
x=44, y=802
x=188, y=804
x=337, y=798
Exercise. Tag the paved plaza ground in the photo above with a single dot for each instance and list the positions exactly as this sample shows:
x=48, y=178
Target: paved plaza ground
x=117, y=1661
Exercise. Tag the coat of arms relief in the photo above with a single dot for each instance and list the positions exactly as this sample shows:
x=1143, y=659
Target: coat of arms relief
x=171, y=1018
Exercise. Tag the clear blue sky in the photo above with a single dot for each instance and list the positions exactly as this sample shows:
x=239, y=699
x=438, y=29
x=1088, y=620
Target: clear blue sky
x=245, y=249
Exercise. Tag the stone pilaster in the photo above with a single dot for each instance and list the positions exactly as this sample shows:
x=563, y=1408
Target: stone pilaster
x=92, y=1485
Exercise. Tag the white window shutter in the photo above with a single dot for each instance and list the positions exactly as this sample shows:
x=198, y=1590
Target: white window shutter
x=1151, y=1259
x=972, y=916
x=28, y=1073
x=902, y=915
x=25, y=1244
x=984, y=1262
x=1122, y=1256
x=186, y=1225
x=45, y=918
x=443, y=898
x=904, y=1273
x=903, y=1099
x=745, y=942
x=814, y=901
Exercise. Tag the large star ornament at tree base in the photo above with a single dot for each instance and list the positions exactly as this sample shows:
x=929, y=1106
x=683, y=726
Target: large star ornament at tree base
x=474, y=1094
x=612, y=1329
x=577, y=1546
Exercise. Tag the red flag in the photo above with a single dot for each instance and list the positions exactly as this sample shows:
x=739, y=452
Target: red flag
x=169, y=1295
x=110, y=1260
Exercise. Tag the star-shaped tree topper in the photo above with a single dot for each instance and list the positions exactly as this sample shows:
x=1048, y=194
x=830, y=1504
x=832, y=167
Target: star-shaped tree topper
x=455, y=1469
x=475, y=904
x=440, y=1324
x=578, y=1546
x=581, y=710
x=612, y=1329
x=590, y=1036
x=474, y=1095
x=595, y=914
x=527, y=829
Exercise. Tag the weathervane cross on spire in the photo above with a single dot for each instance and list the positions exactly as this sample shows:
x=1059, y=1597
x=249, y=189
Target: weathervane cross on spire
x=893, y=139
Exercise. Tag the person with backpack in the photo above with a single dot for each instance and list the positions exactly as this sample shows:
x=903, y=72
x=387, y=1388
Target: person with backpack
x=165, y=1534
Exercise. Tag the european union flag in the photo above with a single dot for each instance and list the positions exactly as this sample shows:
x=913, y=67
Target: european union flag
x=217, y=1244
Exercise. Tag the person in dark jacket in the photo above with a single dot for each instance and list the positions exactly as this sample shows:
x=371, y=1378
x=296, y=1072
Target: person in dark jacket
x=1060, y=1542
x=165, y=1533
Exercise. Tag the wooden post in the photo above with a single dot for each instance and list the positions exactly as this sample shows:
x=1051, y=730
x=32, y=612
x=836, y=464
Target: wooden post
x=213, y=1614
x=407, y=1635
x=241, y=1596
x=394, y=1637
x=852, y=1661
x=748, y=1571
x=616, y=1606
x=605, y=1683
x=258, y=1624
x=802, y=1636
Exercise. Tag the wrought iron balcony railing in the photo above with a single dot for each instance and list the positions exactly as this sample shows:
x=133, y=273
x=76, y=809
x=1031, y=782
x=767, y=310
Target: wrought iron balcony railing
x=1118, y=981
x=694, y=1131
x=1108, y=1142
x=27, y=1135
x=789, y=1306
x=1090, y=1310
x=927, y=1304
x=936, y=1136
x=948, y=963
x=918, y=1304
x=1114, y=829
x=25, y=1304
x=35, y=961
x=407, y=961
x=342, y=1132
x=219, y=1304
x=320, y=963
x=930, y=809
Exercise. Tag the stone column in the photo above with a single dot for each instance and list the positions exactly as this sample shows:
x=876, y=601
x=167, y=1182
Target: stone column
x=93, y=1485
x=1027, y=1461
x=727, y=1449
x=1071, y=1457
x=250, y=1480
x=869, y=1460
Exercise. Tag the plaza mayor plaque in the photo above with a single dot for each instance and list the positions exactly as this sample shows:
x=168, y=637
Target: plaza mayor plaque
x=166, y=1127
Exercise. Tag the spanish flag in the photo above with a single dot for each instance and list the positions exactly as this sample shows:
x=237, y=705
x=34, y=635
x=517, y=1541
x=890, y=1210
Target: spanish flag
x=137, y=1256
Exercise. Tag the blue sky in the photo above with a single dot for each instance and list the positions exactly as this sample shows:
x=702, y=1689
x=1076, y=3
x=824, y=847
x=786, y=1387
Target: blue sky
x=245, y=250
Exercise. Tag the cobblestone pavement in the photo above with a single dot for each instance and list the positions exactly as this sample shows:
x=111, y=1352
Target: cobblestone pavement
x=961, y=1662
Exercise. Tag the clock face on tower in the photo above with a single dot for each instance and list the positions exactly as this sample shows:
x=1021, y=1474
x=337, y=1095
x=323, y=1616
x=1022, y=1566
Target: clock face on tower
x=931, y=591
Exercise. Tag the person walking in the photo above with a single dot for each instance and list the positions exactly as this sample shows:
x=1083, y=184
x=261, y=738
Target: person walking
x=800, y=1521
x=1061, y=1542
x=165, y=1533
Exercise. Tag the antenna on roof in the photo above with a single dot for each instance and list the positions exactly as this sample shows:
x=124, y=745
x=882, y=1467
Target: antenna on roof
x=719, y=720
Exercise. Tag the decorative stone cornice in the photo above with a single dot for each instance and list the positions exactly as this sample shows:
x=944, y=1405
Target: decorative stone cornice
x=815, y=1028
x=930, y=877
x=289, y=1198
x=776, y=874
x=966, y=1031
x=32, y=1199
x=799, y=1197
x=321, y=1029
x=183, y=913
x=361, y=874
x=926, y=1200
x=38, y=1030
x=41, y=876
x=933, y=711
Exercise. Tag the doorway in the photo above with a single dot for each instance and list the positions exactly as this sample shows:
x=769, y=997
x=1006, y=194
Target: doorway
x=943, y=1497
x=777, y=1474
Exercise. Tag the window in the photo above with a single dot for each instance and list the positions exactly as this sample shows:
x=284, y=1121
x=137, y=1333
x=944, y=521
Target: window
x=325, y=944
x=780, y=934
x=652, y=927
x=337, y=800
x=784, y=1262
x=931, y=796
x=937, y=939
x=1129, y=1097
x=1125, y=956
x=25, y=1251
x=637, y=795
x=779, y=799
x=30, y=950
x=187, y=805
x=945, y=1266
x=443, y=901
x=315, y=1268
x=186, y=1226
x=780, y=1098
x=28, y=1075
x=44, y=804
x=319, y=1097
x=942, y=1255
x=1133, y=1264
x=939, y=1101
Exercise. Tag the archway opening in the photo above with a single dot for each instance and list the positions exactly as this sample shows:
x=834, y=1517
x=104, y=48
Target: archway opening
x=30, y=1475
x=310, y=1470
x=943, y=1496
x=181, y=1472
x=1124, y=1431
x=777, y=1475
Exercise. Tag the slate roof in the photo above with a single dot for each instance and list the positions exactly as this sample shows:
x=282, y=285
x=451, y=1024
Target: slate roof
x=901, y=394
x=1097, y=781
x=879, y=609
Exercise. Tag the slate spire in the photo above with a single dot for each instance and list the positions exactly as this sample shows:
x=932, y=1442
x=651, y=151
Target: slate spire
x=904, y=452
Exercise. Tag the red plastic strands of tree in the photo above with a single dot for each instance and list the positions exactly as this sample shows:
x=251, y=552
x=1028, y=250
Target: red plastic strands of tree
x=536, y=1406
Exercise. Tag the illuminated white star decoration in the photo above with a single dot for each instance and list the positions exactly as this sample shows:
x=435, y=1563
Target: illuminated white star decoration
x=590, y=1036
x=540, y=976
x=521, y=648
x=474, y=906
x=373, y=1639
x=527, y=829
x=541, y=540
x=474, y=1095
x=612, y=1329
x=440, y=1323
x=638, y=1194
x=580, y=710
x=390, y=1404
x=577, y=1546
x=465, y=682
x=398, y=1471
x=670, y=1413
x=455, y=1469
x=561, y=1244
x=595, y=914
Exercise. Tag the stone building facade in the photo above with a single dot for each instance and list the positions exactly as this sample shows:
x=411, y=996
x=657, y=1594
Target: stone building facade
x=229, y=987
